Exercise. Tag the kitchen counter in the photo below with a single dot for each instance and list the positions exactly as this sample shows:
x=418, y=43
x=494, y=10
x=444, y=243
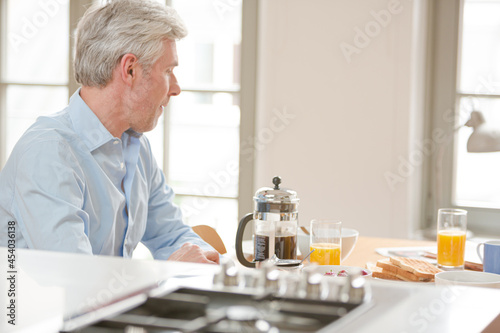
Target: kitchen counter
x=55, y=287
x=77, y=288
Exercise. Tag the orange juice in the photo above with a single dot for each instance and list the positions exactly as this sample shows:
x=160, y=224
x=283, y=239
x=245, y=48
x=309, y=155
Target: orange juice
x=451, y=248
x=325, y=254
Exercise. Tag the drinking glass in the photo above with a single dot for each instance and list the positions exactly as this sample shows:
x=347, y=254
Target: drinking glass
x=451, y=230
x=326, y=242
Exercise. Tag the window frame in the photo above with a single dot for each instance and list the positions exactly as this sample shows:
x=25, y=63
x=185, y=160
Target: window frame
x=443, y=101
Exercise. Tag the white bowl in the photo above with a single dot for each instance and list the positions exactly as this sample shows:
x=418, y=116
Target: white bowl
x=349, y=238
x=468, y=278
x=336, y=269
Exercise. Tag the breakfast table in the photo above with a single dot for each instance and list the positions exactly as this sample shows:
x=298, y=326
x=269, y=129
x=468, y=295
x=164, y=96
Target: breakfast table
x=364, y=251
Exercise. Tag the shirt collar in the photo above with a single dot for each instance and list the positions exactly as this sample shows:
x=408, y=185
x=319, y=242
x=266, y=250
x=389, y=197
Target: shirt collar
x=86, y=124
x=133, y=133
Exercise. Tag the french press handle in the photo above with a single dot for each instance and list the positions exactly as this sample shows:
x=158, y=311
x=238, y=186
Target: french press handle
x=239, y=241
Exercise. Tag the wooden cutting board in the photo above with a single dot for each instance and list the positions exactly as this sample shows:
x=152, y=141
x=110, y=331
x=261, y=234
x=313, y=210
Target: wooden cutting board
x=472, y=266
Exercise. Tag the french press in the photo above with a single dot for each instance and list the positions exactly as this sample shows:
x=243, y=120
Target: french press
x=275, y=222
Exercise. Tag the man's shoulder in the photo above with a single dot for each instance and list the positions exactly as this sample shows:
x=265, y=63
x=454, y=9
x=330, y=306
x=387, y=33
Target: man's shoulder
x=54, y=129
x=57, y=123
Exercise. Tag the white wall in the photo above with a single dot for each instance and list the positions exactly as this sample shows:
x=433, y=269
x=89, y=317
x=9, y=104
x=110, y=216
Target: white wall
x=353, y=122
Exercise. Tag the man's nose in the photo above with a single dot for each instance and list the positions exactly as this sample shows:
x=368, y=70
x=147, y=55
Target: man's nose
x=174, y=88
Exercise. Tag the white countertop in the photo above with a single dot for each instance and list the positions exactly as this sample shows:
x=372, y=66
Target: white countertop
x=53, y=287
x=63, y=285
x=418, y=307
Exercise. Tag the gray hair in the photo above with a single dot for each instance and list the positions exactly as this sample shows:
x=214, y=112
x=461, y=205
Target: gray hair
x=107, y=32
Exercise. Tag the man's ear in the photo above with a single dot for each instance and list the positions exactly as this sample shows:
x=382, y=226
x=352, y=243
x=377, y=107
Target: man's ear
x=128, y=68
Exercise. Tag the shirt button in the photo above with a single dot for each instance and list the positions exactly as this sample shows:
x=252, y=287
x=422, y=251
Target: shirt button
x=122, y=165
x=116, y=142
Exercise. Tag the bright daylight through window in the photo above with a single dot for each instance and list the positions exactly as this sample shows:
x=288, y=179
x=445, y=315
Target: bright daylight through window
x=33, y=85
x=477, y=182
x=202, y=125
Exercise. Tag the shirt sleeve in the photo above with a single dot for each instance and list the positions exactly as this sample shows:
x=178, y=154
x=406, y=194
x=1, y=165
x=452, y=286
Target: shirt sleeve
x=48, y=198
x=165, y=232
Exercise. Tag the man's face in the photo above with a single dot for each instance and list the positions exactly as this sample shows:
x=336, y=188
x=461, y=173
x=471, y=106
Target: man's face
x=151, y=91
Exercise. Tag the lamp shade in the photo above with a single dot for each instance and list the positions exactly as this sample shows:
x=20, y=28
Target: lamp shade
x=484, y=138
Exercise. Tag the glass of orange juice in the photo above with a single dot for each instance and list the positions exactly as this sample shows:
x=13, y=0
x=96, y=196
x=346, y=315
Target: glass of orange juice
x=326, y=242
x=451, y=230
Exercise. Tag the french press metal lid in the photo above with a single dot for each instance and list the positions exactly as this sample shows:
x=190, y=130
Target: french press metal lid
x=276, y=199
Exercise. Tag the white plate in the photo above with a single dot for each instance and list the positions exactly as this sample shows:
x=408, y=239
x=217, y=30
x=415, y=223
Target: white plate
x=337, y=268
x=468, y=278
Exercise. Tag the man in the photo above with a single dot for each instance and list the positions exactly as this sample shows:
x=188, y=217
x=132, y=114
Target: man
x=84, y=179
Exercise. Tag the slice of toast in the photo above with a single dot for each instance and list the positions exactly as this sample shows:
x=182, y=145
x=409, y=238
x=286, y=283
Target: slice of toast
x=407, y=276
x=380, y=273
x=419, y=268
x=388, y=267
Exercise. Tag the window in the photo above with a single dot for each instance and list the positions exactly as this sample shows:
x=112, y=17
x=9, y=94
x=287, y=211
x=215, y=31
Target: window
x=477, y=181
x=199, y=137
x=31, y=85
x=466, y=78
x=196, y=141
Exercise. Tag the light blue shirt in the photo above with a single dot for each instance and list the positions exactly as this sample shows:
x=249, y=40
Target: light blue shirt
x=71, y=186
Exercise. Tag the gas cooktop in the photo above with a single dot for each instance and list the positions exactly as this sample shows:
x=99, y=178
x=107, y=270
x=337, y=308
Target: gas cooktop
x=265, y=301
